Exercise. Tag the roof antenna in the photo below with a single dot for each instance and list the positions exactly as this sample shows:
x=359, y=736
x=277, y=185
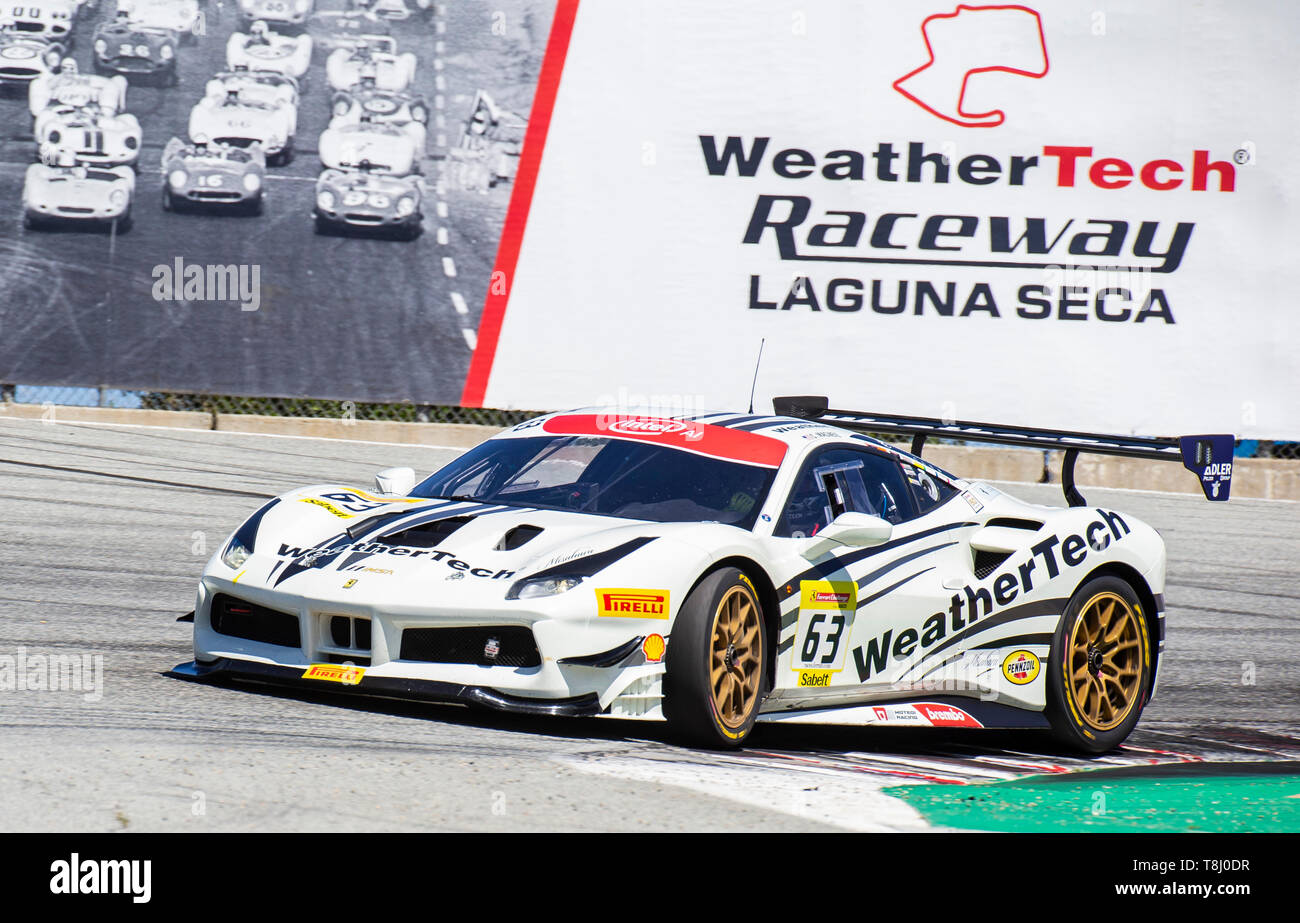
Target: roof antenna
x=756, y=365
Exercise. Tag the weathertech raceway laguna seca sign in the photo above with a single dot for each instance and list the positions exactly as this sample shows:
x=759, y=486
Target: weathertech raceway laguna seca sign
x=1051, y=214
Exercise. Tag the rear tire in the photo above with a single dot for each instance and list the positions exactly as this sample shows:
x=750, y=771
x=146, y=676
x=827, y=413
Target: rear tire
x=715, y=661
x=1099, y=670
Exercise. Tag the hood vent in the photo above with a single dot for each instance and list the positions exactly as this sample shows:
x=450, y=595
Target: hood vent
x=519, y=535
x=427, y=535
x=1009, y=522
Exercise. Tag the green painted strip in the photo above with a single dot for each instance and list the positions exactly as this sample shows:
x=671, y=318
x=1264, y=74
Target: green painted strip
x=1076, y=803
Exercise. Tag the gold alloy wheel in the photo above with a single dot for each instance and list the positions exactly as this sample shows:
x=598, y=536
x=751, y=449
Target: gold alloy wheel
x=1104, y=661
x=734, y=666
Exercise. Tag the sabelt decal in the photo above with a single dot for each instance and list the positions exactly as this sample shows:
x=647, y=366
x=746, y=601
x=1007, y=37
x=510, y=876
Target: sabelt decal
x=621, y=603
x=690, y=435
x=335, y=673
x=826, y=612
x=1021, y=667
x=940, y=715
x=1047, y=560
x=316, y=501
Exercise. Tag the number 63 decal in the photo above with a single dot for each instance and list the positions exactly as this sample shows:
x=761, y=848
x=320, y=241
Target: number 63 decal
x=826, y=611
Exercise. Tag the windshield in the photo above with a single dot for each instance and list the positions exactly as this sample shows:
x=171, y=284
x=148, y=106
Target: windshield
x=608, y=477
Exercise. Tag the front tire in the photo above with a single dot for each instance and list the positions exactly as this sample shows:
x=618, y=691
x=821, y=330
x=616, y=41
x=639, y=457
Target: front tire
x=1099, y=671
x=714, y=685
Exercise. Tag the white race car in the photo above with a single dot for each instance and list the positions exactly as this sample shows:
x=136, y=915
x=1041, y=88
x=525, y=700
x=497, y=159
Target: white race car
x=70, y=88
x=404, y=110
x=89, y=135
x=184, y=17
x=49, y=19
x=382, y=147
x=242, y=107
x=713, y=570
x=373, y=57
x=265, y=50
x=278, y=12
x=395, y=9
x=23, y=59
x=64, y=193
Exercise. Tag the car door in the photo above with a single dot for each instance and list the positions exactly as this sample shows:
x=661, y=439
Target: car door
x=852, y=617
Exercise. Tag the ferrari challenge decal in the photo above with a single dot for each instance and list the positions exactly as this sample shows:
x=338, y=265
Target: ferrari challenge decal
x=1021, y=667
x=988, y=604
x=826, y=610
x=632, y=604
x=690, y=435
x=335, y=673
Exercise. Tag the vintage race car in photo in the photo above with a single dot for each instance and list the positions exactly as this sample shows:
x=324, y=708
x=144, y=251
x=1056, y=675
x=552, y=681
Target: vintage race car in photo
x=246, y=107
x=127, y=48
x=213, y=175
x=404, y=110
x=49, y=19
x=275, y=12
x=368, y=202
x=89, y=134
x=383, y=147
x=183, y=17
x=332, y=29
x=71, y=88
x=23, y=58
x=68, y=193
x=263, y=49
x=714, y=570
x=374, y=57
x=395, y=9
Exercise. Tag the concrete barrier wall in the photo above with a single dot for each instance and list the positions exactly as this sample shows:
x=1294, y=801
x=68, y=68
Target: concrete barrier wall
x=1266, y=478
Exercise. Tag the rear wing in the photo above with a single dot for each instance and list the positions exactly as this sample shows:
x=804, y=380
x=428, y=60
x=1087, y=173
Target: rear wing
x=1208, y=457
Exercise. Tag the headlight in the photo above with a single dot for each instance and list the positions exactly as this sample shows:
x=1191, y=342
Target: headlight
x=176, y=178
x=199, y=137
x=101, y=46
x=236, y=554
x=534, y=587
x=240, y=547
x=325, y=199
x=117, y=198
x=252, y=182
x=142, y=51
x=165, y=52
x=405, y=205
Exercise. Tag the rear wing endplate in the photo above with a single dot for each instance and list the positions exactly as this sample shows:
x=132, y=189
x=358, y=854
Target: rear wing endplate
x=1208, y=457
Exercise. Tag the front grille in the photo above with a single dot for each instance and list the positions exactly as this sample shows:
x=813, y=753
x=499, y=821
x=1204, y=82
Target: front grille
x=76, y=210
x=19, y=73
x=240, y=619
x=359, y=218
x=206, y=196
x=516, y=647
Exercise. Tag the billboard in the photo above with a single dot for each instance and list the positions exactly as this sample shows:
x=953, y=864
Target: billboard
x=1047, y=213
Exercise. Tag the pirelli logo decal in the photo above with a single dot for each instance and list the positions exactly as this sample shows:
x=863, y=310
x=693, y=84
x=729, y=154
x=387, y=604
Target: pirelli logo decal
x=632, y=604
x=335, y=673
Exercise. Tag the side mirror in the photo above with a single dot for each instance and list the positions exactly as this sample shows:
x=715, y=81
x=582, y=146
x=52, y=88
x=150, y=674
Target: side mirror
x=395, y=482
x=857, y=529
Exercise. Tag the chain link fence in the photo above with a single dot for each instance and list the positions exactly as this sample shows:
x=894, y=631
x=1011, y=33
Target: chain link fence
x=394, y=412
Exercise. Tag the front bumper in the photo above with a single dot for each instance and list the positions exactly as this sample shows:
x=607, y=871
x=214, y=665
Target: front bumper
x=362, y=219
x=391, y=687
x=136, y=65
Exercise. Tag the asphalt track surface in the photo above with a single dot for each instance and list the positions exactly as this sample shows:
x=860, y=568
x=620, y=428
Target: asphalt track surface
x=106, y=530
x=350, y=318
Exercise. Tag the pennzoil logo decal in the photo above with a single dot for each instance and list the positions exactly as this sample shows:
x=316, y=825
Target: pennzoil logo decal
x=632, y=604
x=1021, y=667
x=335, y=673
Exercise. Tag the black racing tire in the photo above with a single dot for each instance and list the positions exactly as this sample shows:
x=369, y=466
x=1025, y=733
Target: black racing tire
x=1100, y=665
x=124, y=223
x=714, y=682
x=168, y=202
x=323, y=227
x=256, y=206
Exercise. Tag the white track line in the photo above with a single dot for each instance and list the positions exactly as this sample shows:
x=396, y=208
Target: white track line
x=442, y=236
x=470, y=337
x=458, y=302
x=449, y=267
